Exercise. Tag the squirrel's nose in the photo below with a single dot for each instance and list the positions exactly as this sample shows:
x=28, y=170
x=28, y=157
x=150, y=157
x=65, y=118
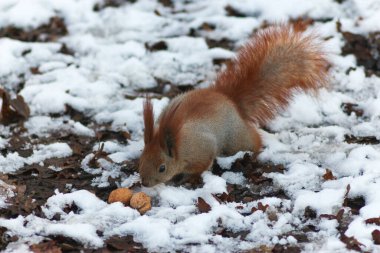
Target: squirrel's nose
x=144, y=182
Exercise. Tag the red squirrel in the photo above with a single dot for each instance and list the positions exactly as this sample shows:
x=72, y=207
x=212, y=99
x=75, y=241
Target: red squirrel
x=220, y=120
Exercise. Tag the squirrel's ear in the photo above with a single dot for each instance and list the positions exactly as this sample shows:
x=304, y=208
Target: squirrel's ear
x=169, y=143
x=148, y=120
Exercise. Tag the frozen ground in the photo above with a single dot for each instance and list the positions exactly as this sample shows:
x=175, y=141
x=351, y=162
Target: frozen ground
x=84, y=74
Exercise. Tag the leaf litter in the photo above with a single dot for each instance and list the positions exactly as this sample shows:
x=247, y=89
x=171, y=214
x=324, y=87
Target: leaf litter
x=34, y=183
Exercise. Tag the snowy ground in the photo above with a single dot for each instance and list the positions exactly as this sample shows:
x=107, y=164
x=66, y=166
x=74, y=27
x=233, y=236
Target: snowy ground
x=84, y=87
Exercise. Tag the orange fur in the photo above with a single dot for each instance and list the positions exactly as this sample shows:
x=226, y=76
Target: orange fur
x=192, y=106
x=148, y=121
x=269, y=68
x=201, y=124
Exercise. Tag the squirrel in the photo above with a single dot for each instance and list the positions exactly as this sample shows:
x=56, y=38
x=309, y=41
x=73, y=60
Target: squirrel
x=222, y=119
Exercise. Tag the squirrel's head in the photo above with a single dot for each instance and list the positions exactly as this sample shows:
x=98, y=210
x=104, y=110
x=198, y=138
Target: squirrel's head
x=156, y=166
x=157, y=163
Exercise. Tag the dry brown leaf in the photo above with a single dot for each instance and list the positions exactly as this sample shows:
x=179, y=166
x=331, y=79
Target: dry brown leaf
x=13, y=110
x=375, y=221
x=301, y=24
x=99, y=154
x=45, y=247
x=328, y=175
x=121, y=244
x=351, y=243
x=222, y=198
x=208, y=27
x=348, y=188
x=310, y=213
x=337, y=217
x=121, y=136
x=260, y=207
x=328, y=216
x=376, y=236
x=202, y=205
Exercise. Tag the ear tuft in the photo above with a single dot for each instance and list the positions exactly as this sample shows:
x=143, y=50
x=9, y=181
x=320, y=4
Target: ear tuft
x=169, y=142
x=148, y=120
x=169, y=128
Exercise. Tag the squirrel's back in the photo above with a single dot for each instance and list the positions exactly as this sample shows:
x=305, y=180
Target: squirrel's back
x=269, y=68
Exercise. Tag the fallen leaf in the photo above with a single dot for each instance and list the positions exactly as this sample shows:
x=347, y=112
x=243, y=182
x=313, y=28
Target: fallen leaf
x=3, y=243
x=301, y=24
x=45, y=247
x=345, y=199
x=202, y=205
x=208, y=27
x=35, y=71
x=328, y=175
x=328, y=216
x=66, y=244
x=259, y=179
x=120, y=136
x=349, y=108
x=355, y=204
x=117, y=243
x=361, y=139
x=51, y=31
x=99, y=154
x=217, y=198
x=310, y=213
x=348, y=188
x=376, y=236
x=364, y=47
x=72, y=208
x=231, y=11
x=13, y=110
x=265, y=249
x=337, y=216
x=20, y=189
x=375, y=221
x=222, y=198
x=160, y=45
x=351, y=243
x=77, y=148
x=247, y=199
x=65, y=50
x=76, y=115
x=260, y=207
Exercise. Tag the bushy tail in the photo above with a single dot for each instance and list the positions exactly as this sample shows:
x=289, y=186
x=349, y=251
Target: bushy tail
x=266, y=72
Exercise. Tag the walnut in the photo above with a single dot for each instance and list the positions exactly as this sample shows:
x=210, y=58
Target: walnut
x=122, y=195
x=141, y=202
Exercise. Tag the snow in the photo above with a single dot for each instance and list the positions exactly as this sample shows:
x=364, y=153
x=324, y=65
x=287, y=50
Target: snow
x=13, y=9
x=13, y=161
x=234, y=178
x=326, y=201
x=111, y=60
x=44, y=125
x=265, y=10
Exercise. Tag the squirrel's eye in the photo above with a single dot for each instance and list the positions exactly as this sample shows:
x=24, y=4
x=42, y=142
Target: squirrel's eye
x=162, y=168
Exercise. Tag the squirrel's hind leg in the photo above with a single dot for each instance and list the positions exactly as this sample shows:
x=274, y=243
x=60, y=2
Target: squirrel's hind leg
x=244, y=138
x=256, y=140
